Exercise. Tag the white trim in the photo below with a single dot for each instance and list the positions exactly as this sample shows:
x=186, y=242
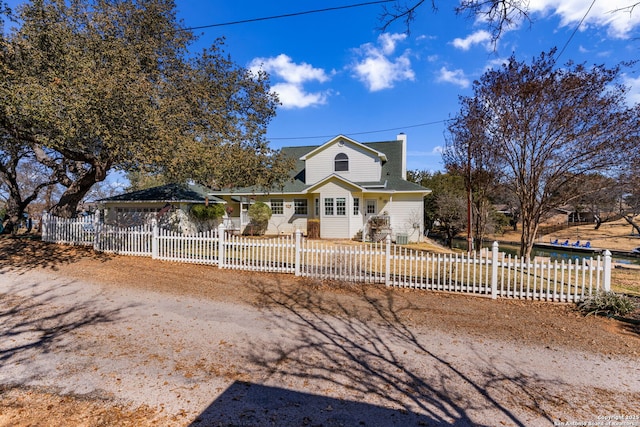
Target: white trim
x=323, y=181
x=338, y=138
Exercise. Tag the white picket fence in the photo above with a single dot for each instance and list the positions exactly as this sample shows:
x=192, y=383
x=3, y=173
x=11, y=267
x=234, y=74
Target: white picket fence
x=490, y=273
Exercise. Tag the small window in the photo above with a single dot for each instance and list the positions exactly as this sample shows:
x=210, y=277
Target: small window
x=300, y=207
x=341, y=163
x=371, y=207
x=341, y=206
x=328, y=206
x=356, y=206
x=277, y=206
x=317, y=207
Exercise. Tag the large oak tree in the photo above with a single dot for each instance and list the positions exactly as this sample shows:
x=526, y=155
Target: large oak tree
x=89, y=86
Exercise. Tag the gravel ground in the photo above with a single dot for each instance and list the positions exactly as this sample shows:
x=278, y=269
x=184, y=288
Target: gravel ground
x=89, y=339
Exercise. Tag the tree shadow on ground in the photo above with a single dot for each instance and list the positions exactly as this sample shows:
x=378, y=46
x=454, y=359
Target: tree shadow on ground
x=368, y=353
x=27, y=252
x=39, y=324
x=250, y=404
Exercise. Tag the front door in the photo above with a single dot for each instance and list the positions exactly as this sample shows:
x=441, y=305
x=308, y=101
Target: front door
x=370, y=208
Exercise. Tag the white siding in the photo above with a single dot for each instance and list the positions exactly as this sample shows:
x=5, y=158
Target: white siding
x=405, y=211
x=363, y=165
x=335, y=226
x=288, y=223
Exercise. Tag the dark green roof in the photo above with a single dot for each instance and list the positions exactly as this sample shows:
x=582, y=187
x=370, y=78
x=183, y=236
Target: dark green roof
x=191, y=193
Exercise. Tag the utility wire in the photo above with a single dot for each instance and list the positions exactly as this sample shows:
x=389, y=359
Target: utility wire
x=287, y=15
x=360, y=133
x=575, y=30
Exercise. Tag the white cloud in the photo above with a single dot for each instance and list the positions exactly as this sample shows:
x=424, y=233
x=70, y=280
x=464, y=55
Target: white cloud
x=291, y=90
x=378, y=69
x=479, y=37
x=293, y=96
x=496, y=63
x=283, y=67
x=456, y=77
x=436, y=150
x=610, y=14
x=633, y=96
x=389, y=41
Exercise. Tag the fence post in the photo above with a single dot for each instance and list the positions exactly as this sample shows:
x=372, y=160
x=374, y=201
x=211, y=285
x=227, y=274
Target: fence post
x=221, y=246
x=96, y=230
x=387, y=257
x=298, y=252
x=607, y=271
x=155, y=240
x=45, y=227
x=494, y=271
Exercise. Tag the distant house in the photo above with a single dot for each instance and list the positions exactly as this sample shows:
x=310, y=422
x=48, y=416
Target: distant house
x=169, y=204
x=346, y=185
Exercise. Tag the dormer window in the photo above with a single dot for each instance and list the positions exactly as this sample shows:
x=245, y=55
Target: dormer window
x=341, y=163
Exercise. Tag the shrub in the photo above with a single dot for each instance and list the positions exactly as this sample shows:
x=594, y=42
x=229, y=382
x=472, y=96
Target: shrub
x=260, y=214
x=211, y=212
x=313, y=229
x=607, y=304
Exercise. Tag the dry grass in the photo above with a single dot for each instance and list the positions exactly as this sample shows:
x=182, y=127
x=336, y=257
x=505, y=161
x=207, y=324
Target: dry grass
x=616, y=235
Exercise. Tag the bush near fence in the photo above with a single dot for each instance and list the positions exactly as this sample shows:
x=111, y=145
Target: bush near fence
x=491, y=273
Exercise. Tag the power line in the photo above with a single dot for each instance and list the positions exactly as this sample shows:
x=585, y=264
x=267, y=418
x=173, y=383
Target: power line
x=575, y=30
x=360, y=133
x=287, y=15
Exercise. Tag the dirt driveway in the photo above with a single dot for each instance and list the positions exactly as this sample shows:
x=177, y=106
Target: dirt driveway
x=90, y=340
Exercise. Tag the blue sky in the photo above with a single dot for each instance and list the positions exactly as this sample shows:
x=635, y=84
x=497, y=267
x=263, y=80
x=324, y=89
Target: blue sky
x=336, y=73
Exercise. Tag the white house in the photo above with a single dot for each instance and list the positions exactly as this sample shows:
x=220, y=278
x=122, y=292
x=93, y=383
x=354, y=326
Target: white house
x=344, y=184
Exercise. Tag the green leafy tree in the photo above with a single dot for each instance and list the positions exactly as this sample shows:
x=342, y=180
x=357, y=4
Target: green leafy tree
x=445, y=207
x=545, y=127
x=89, y=87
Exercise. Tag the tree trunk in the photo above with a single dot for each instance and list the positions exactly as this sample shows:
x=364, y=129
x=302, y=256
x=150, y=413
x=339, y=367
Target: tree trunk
x=16, y=207
x=450, y=235
x=598, y=222
x=67, y=206
x=528, y=236
x=631, y=222
x=16, y=204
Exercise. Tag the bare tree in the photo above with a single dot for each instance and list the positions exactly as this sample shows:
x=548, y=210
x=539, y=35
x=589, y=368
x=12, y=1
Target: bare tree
x=467, y=156
x=546, y=127
x=499, y=15
x=601, y=196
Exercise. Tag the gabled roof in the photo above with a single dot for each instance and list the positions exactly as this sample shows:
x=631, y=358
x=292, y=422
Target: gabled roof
x=185, y=193
x=391, y=174
x=342, y=138
x=332, y=177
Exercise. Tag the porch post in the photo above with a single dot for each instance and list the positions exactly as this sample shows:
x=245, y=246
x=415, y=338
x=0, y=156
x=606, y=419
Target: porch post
x=607, y=271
